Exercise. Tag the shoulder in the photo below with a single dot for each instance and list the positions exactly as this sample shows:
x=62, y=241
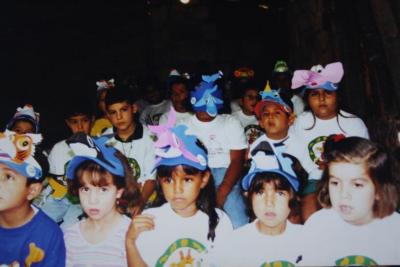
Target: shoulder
x=320, y=217
x=47, y=224
x=59, y=146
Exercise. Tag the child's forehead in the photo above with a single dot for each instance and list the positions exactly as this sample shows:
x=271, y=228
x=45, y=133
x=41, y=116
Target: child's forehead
x=79, y=116
x=272, y=106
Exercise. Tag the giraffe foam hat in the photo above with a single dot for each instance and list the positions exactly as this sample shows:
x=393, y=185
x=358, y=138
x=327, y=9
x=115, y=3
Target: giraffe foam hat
x=174, y=147
x=319, y=77
x=17, y=152
x=85, y=148
x=25, y=113
x=265, y=159
x=207, y=96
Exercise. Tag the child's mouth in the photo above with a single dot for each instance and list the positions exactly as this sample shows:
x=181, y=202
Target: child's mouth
x=345, y=209
x=270, y=214
x=94, y=212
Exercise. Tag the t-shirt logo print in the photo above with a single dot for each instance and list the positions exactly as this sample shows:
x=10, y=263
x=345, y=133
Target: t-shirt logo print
x=316, y=149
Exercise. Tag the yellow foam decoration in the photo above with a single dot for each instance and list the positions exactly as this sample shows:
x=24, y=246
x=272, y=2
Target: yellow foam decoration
x=36, y=254
x=59, y=190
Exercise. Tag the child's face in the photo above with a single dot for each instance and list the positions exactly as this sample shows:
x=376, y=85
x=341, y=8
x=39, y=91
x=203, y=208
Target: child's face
x=204, y=116
x=352, y=192
x=181, y=190
x=275, y=121
x=79, y=123
x=323, y=103
x=98, y=202
x=179, y=94
x=23, y=127
x=249, y=101
x=271, y=208
x=121, y=115
x=14, y=192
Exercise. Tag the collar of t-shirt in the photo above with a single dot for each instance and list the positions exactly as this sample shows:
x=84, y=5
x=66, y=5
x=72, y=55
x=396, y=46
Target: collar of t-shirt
x=137, y=134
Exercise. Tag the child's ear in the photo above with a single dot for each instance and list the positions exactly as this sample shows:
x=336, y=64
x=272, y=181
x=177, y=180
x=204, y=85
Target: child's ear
x=204, y=179
x=292, y=117
x=246, y=194
x=135, y=108
x=119, y=192
x=34, y=190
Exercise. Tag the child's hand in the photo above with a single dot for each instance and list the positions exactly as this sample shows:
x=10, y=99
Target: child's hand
x=139, y=224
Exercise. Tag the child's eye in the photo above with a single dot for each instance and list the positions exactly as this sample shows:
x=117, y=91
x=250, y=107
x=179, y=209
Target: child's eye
x=281, y=193
x=188, y=179
x=10, y=177
x=166, y=180
x=313, y=93
x=103, y=189
x=84, y=189
x=333, y=183
x=358, y=185
x=260, y=192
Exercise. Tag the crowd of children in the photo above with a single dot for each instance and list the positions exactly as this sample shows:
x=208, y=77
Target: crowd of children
x=279, y=176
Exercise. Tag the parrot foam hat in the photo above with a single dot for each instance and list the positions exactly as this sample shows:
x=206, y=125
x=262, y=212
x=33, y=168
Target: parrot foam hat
x=319, y=77
x=174, y=147
x=265, y=159
x=281, y=67
x=17, y=152
x=25, y=113
x=206, y=96
x=105, y=85
x=244, y=72
x=85, y=148
x=271, y=95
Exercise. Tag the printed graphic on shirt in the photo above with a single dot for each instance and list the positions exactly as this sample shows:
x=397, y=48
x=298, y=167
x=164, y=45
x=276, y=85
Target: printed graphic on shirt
x=277, y=264
x=135, y=167
x=252, y=132
x=36, y=255
x=214, y=147
x=355, y=260
x=316, y=149
x=183, y=252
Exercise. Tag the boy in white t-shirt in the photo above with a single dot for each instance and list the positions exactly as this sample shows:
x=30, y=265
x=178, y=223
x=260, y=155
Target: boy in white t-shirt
x=131, y=138
x=56, y=203
x=226, y=143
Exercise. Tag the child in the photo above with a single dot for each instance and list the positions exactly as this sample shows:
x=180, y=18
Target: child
x=358, y=225
x=25, y=120
x=27, y=236
x=271, y=188
x=246, y=115
x=154, y=94
x=100, y=176
x=321, y=118
x=178, y=88
x=183, y=230
x=56, y=203
x=102, y=123
x=131, y=138
x=225, y=141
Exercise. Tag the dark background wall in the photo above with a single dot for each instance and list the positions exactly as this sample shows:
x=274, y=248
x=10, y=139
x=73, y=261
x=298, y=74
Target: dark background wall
x=53, y=53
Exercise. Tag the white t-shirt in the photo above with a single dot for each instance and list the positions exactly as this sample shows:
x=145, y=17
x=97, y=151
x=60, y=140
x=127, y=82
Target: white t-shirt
x=178, y=240
x=250, y=126
x=108, y=253
x=220, y=136
x=309, y=148
x=139, y=150
x=59, y=157
x=247, y=247
x=180, y=117
x=332, y=241
x=152, y=113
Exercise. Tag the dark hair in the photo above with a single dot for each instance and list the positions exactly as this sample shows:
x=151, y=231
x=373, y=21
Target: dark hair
x=379, y=167
x=247, y=86
x=280, y=183
x=99, y=176
x=79, y=107
x=206, y=200
x=338, y=109
x=118, y=95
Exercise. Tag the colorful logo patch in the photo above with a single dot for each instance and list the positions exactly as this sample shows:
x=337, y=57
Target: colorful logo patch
x=183, y=252
x=316, y=149
x=277, y=264
x=355, y=260
x=135, y=167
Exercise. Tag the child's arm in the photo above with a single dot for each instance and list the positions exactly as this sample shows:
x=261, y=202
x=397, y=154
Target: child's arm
x=139, y=224
x=231, y=176
x=147, y=190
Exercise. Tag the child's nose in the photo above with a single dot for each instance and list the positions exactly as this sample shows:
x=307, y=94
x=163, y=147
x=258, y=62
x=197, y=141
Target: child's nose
x=270, y=199
x=93, y=197
x=178, y=187
x=345, y=192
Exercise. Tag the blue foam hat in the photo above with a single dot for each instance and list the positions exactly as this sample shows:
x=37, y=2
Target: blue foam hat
x=86, y=148
x=207, y=96
x=17, y=152
x=174, y=147
x=264, y=158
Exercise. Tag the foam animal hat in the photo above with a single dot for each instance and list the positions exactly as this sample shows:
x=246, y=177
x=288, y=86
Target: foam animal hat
x=105, y=85
x=17, y=152
x=319, y=77
x=206, y=95
x=244, y=72
x=264, y=158
x=271, y=95
x=281, y=67
x=25, y=113
x=174, y=147
x=85, y=148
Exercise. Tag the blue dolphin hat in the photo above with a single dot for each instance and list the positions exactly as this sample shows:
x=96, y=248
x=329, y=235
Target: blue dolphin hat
x=86, y=148
x=207, y=96
x=266, y=159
